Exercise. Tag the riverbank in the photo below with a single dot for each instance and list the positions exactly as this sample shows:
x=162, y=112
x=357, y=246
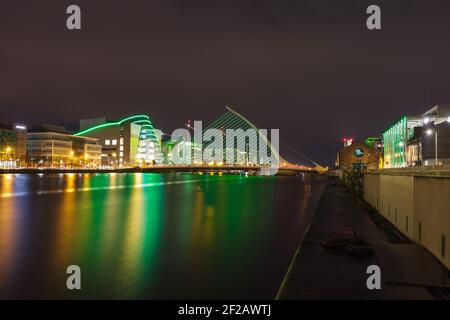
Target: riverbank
x=164, y=169
x=408, y=271
x=155, y=169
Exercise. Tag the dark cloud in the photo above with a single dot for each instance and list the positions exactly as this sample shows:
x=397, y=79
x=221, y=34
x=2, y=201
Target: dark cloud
x=310, y=68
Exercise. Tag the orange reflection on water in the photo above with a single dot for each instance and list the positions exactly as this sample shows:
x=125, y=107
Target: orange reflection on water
x=8, y=227
x=133, y=242
x=306, y=194
x=64, y=233
x=110, y=227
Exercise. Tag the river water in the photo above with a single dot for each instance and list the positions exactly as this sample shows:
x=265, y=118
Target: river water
x=151, y=236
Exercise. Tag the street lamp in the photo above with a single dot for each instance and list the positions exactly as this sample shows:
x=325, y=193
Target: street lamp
x=430, y=132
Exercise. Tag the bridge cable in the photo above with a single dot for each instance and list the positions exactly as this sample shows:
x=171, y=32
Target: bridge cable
x=299, y=153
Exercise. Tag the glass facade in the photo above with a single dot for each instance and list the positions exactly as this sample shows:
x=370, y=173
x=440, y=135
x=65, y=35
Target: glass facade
x=395, y=144
x=396, y=140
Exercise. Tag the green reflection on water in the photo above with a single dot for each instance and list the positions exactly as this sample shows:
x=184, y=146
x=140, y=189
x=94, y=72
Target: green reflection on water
x=150, y=235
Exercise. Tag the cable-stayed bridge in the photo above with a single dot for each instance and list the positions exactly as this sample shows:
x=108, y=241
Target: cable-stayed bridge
x=236, y=121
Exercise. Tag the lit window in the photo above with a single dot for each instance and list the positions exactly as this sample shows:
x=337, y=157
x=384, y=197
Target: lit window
x=114, y=142
x=121, y=148
x=121, y=141
x=107, y=142
x=121, y=154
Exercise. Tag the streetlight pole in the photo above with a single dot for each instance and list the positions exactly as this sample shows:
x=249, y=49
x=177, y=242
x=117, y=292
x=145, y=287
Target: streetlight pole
x=435, y=147
x=430, y=132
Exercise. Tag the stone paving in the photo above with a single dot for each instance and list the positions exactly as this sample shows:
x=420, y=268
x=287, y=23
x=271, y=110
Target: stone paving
x=407, y=269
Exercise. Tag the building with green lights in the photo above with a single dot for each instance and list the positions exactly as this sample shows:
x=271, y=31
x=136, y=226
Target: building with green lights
x=373, y=141
x=395, y=141
x=128, y=142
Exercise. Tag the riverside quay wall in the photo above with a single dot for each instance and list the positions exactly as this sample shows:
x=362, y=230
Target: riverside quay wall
x=417, y=202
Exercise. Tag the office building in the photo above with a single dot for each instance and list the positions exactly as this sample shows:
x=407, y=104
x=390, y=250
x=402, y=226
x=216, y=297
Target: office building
x=59, y=149
x=419, y=140
x=8, y=143
x=435, y=138
x=21, y=144
x=13, y=145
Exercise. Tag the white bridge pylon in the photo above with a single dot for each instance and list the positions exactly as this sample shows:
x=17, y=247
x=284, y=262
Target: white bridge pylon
x=234, y=120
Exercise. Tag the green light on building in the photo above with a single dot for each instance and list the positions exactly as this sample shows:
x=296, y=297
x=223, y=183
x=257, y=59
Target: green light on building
x=143, y=144
x=395, y=141
x=370, y=141
x=136, y=118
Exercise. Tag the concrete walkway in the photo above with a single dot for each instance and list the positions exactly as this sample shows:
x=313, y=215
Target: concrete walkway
x=407, y=269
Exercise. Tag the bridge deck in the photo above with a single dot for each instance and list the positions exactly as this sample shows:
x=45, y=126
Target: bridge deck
x=162, y=169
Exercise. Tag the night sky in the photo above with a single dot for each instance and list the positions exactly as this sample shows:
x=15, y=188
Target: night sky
x=310, y=68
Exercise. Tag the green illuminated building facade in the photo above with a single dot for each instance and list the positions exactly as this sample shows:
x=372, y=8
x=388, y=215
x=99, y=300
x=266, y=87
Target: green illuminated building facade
x=127, y=142
x=395, y=141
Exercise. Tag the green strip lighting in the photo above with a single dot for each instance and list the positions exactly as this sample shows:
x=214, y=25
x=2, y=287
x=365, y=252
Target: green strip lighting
x=109, y=124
